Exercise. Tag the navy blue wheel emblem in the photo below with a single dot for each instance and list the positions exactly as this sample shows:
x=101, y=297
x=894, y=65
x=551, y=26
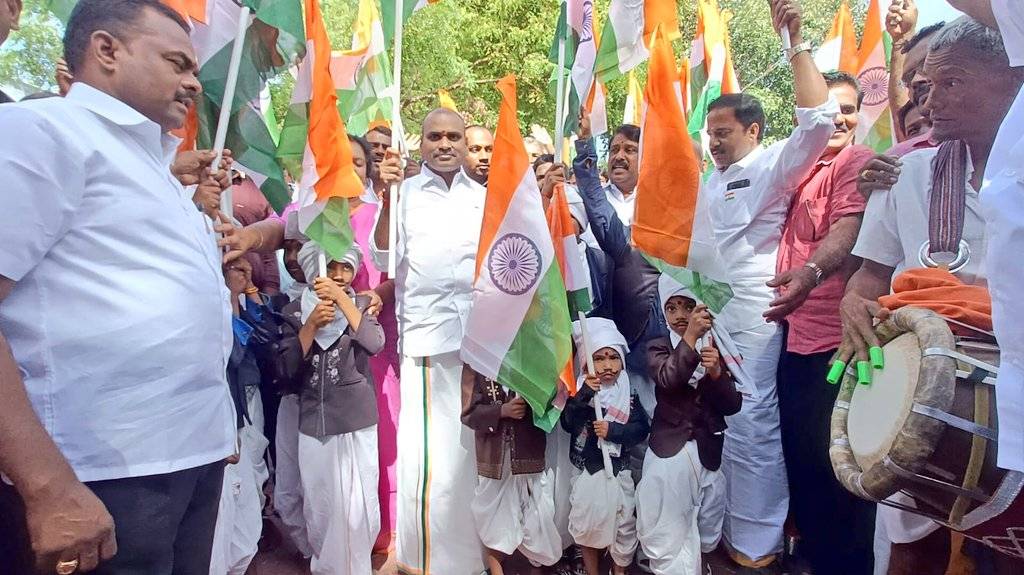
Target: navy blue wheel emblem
x=514, y=263
x=587, y=33
x=874, y=82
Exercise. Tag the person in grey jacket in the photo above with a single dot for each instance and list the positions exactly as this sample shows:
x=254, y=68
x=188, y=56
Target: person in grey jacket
x=325, y=353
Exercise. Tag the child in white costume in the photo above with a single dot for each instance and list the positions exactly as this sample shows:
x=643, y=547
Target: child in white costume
x=513, y=505
x=329, y=339
x=681, y=498
x=602, y=508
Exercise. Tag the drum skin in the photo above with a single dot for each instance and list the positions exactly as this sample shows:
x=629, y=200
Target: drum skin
x=917, y=440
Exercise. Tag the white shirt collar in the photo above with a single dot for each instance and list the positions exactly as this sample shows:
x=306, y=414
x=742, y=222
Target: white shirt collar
x=432, y=177
x=745, y=161
x=106, y=106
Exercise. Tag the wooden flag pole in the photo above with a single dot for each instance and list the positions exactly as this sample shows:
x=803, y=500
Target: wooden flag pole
x=396, y=125
x=226, y=202
x=588, y=353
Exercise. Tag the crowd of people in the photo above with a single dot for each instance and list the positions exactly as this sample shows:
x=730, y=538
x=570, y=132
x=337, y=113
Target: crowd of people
x=173, y=376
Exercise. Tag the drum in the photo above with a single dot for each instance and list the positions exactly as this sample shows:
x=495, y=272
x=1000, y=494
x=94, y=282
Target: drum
x=926, y=427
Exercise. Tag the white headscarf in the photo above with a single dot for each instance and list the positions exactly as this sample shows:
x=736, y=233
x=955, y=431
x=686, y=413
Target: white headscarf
x=727, y=349
x=309, y=256
x=615, y=398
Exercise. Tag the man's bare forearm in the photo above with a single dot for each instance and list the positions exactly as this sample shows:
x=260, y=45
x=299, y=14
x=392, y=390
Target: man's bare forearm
x=28, y=456
x=381, y=232
x=270, y=235
x=898, y=95
x=809, y=85
x=834, y=251
x=871, y=281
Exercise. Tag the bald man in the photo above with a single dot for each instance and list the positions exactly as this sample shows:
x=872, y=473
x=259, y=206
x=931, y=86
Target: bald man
x=440, y=211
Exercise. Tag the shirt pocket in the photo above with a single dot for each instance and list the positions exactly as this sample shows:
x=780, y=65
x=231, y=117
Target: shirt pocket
x=810, y=223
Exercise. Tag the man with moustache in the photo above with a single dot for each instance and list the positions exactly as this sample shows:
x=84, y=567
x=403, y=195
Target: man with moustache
x=116, y=411
x=747, y=199
x=380, y=139
x=814, y=263
x=440, y=212
x=971, y=88
x=479, y=147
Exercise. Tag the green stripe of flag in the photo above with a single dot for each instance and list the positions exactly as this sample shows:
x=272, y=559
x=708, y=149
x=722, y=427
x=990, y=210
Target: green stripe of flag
x=531, y=367
x=331, y=229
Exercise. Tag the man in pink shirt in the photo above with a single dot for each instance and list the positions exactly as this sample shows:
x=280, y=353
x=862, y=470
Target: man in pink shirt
x=814, y=264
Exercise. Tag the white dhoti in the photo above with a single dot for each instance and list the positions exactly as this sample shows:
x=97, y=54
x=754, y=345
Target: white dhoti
x=436, y=472
x=240, y=515
x=287, y=477
x=680, y=507
x=518, y=512
x=603, y=514
x=562, y=471
x=757, y=495
x=339, y=497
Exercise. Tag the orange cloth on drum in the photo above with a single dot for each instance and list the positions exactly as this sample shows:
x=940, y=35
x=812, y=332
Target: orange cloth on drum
x=940, y=291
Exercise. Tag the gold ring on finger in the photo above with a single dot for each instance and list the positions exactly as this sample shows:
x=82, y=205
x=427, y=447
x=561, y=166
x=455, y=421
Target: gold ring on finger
x=67, y=567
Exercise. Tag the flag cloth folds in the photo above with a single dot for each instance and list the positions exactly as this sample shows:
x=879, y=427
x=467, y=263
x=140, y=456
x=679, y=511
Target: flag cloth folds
x=576, y=26
x=839, y=50
x=669, y=180
x=518, y=332
x=634, y=101
x=712, y=73
x=573, y=267
x=328, y=177
x=622, y=40
x=444, y=99
x=875, y=128
x=388, y=10
x=362, y=75
x=273, y=43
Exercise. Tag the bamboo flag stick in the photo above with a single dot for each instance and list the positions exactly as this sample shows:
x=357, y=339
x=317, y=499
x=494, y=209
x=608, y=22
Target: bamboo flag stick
x=589, y=354
x=396, y=125
x=226, y=202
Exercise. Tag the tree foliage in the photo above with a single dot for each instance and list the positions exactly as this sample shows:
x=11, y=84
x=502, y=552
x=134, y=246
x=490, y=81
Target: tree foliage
x=465, y=46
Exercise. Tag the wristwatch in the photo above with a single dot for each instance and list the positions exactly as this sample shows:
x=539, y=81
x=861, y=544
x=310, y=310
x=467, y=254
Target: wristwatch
x=804, y=46
x=819, y=274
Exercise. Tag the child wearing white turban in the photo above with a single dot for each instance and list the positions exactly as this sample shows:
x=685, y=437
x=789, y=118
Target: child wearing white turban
x=602, y=508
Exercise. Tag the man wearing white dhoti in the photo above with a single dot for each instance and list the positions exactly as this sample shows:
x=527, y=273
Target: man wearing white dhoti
x=439, y=214
x=748, y=197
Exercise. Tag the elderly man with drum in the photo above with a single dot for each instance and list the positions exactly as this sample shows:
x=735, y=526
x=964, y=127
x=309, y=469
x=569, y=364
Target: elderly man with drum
x=930, y=218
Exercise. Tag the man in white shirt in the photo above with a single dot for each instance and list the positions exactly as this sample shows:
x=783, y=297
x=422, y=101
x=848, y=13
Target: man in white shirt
x=116, y=412
x=480, y=146
x=440, y=212
x=971, y=88
x=623, y=171
x=748, y=197
x=1001, y=200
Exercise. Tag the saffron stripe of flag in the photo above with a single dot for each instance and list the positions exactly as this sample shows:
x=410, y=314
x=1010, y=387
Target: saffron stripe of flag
x=669, y=180
x=328, y=177
x=839, y=50
x=518, y=332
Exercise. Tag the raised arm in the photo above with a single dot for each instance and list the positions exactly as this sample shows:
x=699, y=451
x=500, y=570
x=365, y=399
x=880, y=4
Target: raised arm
x=611, y=234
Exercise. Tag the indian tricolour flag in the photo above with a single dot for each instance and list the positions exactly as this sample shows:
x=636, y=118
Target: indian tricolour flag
x=518, y=332
x=875, y=128
x=328, y=177
x=573, y=266
x=273, y=42
x=362, y=75
x=839, y=50
x=627, y=34
x=575, y=34
x=389, y=8
x=712, y=73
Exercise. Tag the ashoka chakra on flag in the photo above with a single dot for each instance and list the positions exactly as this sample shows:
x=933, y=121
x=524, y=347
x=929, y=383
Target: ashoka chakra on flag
x=874, y=82
x=514, y=263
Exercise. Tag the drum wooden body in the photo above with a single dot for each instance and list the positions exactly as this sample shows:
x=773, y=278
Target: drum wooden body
x=926, y=426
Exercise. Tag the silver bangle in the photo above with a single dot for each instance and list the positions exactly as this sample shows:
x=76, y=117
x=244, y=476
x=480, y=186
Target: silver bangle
x=819, y=274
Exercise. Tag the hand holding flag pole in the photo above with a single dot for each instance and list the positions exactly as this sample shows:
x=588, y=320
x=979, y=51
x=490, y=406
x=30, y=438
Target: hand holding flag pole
x=226, y=202
x=396, y=125
x=589, y=354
